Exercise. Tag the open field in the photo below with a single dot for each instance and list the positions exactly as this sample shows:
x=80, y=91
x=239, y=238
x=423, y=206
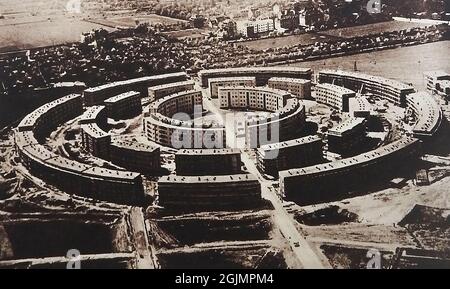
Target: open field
x=27, y=32
x=374, y=28
x=130, y=21
x=303, y=39
x=311, y=38
x=36, y=32
x=405, y=64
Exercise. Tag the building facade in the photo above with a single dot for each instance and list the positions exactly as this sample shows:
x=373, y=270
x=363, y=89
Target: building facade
x=387, y=89
x=438, y=82
x=290, y=154
x=177, y=134
x=209, y=191
x=95, y=141
x=285, y=124
x=253, y=98
x=262, y=74
x=427, y=113
x=208, y=162
x=249, y=28
x=78, y=178
x=124, y=106
x=285, y=121
x=162, y=128
x=332, y=181
x=49, y=116
x=337, y=97
x=136, y=157
x=215, y=83
x=182, y=102
x=347, y=138
x=301, y=88
x=95, y=114
x=97, y=95
x=160, y=91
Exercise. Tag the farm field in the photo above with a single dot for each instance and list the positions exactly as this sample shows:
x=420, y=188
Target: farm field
x=130, y=21
x=27, y=32
x=279, y=42
x=37, y=32
x=374, y=28
x=329, y=35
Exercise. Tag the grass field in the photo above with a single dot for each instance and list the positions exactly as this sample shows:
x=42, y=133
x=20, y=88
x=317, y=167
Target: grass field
x=130, y=21
x=311, y=38
x=303, y=39
x=33, y=33
x=37, y=31
x=390, y=26
x=405, y=64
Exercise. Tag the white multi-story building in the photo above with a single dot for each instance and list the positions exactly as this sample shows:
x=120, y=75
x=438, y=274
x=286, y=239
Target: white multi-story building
x=335, y=96
x=438, y=82
x=251, y=28
x=298, y=87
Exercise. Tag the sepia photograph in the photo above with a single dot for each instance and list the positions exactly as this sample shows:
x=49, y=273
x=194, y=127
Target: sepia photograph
x=261, y=135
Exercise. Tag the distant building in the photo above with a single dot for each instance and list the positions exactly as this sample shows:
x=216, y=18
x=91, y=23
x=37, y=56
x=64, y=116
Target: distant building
x=198, y=21
x=97, y=95
x=290, y=20
x=229, y=29
x=250, y=29
x=255, y=98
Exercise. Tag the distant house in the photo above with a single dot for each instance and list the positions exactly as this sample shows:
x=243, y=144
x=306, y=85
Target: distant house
x=198, y=21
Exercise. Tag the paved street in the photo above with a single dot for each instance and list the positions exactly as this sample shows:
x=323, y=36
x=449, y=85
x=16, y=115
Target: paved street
x=300, y=246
